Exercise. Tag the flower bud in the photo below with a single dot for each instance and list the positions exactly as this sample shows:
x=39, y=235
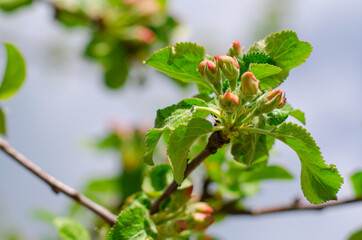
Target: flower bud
x=235, y=50
x=202, y=207
x=229, y=102
x=271, y=100
x=200, y=221
x=230, y=68
x=249, y=86
x=210, y=72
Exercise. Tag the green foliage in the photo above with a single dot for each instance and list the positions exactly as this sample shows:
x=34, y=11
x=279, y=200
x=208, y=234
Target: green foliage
x=268, y=172
x=134, y=222
x=263, y=70
x=121, y=32
x=11, y=5
x=13, y=78
x=152, y=138
x=14, y=74
x=299, y=115
x=319, y=181
x=278, y=116
x=179, y=61
x=252, y=148
x=169, y=118
x=181, y=140
x=357, y=183
x=356, y=236
x=247, y=115
x=254, y=58
x=70, y=229
x=157, y=179
x=286, y=51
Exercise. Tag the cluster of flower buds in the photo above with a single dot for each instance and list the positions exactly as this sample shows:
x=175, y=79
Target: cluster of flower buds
x=230, y=68
x=211, y=73
x=235, y=50
x=200, y=217
x=271, y=100
x=197, y=217
x=249, y=87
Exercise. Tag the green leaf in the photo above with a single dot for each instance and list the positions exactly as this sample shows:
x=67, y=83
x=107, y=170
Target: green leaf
x=71, y=18
x=254, y=58
x=110, y=141
x=356, y=235
x=285, y=49
x=169, y=118
x=278, y=116
x=180, y=142
x=157, y=179
x=70, y=229
x=299, y=115
x=252, y=148
x=319, y=181
x=152, y=138
x=2, y=122
x=268, y=172
x=116, y=69
x=14, y=74
x=357, y=183
x=11, y=5
x=287, y=52
x=180, y=61
x=133, y=223
x=263, y=70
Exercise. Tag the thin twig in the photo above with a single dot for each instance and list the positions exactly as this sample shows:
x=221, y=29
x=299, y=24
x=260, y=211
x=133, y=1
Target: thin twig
x=231, y=209
x=58, y=186
x=216, y=140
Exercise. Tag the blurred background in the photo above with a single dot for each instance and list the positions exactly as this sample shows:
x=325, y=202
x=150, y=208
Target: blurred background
x=64, y=105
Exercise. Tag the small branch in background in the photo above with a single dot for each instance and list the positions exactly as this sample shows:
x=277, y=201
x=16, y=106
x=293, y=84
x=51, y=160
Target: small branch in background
x=216, y=140
x=58, y=186
x=231, y=209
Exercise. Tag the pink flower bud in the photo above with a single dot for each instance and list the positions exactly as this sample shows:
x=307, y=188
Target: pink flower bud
x=249, y=86
x=201, y=221
x=269, y=101
x=206, y=65
x=229, y=102
x=145, y=34
x=222, y=59
x=210, y=72
x=235, y=50
x=230, y=68
x=203, y=208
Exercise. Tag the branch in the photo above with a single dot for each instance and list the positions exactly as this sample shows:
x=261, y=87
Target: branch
x=231, y=208
x=58, y=186
x=216, y=141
